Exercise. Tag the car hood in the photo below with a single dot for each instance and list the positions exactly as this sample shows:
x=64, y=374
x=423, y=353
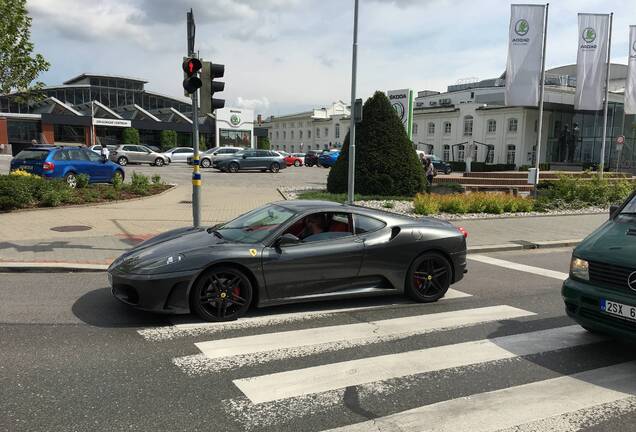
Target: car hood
x=182, y=241
x=611, y=244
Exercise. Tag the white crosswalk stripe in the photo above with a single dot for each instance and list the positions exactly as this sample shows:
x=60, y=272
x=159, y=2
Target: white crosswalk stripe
x=344, y=374
x=519, y=267
x=513, y=406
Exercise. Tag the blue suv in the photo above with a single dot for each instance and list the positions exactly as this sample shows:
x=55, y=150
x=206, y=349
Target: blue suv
x=66, y=163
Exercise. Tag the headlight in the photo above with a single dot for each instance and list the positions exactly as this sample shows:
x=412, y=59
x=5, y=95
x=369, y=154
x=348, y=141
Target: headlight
x=162, y=262
x=580, y=269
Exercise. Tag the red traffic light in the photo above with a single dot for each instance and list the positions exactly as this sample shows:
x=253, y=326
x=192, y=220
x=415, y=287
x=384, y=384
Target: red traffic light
x=191, y=66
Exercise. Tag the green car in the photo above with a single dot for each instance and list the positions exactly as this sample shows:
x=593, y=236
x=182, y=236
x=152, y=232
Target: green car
x=600, y=293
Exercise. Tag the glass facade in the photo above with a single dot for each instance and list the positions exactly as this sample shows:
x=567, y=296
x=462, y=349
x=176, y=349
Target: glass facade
x=236, y=138
x=69, y=134
x=23, y=131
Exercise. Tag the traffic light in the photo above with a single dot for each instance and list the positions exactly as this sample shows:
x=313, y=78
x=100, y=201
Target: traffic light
x=191, y=67
x=209, y=72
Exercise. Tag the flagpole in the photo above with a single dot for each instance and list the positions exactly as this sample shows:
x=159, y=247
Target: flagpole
x=537, y=158
x=607, y=79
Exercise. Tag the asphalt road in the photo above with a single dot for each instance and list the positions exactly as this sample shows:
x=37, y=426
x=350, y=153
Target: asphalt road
x=496, y=354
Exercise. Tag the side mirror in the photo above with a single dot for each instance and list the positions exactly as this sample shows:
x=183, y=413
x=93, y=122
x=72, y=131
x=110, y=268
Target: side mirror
x=613, y=209
x=287, y=239
x=244, y=156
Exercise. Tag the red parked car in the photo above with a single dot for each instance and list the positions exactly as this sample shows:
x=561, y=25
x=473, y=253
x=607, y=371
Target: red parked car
x=291, y=159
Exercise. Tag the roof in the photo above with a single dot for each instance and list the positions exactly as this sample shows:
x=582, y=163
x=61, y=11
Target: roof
x=89, y=75
x=299, y=205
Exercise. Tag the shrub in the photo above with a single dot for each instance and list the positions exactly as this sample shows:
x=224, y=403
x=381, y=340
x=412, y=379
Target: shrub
x=570, y=191
x=426, y=204
x=263, y=143
x=388, y=204
x=21, y=173
x=130, y=136
x=83, y=180
x=139, y=184
x=481, y=202
x=386, y=163
x=15, y=192
x=156, y=179
x=167, y=139
x=117, y=182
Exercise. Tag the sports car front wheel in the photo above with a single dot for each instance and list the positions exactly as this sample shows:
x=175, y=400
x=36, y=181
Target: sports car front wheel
x=221, y=294
x=429, y=277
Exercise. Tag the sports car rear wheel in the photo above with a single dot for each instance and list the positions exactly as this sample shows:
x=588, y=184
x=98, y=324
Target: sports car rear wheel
x=221, y=294
x=429, y=277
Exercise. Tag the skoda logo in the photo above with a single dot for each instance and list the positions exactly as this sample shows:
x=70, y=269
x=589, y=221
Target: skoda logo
x=235, y=120
x=631, y=281
x=589, y=35
x=522, y=27
x=399, y=109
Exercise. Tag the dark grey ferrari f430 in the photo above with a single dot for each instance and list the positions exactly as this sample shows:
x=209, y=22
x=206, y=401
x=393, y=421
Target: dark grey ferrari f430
x=286, y=252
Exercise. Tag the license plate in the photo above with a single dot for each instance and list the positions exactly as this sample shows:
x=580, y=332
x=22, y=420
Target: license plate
x=618, y=309
x=27, y=167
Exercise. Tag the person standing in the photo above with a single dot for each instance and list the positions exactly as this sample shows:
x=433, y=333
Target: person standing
x=429, y=169
x=105, y=152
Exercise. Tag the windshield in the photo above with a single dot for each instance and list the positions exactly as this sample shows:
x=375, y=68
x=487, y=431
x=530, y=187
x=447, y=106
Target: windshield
x=630, y=208
x=32, y=155
x=255, y=226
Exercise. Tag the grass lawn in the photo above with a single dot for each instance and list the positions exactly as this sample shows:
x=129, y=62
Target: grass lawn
x=341, y=198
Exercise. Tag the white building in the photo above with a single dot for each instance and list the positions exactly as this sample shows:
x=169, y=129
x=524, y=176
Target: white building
x=321, y=128
x=444, y=123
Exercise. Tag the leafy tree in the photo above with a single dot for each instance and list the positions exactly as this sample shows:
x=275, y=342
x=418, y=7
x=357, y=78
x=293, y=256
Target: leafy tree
x=386, y=163
x=167, y=139
x=19, y=67
x=263, y=143
x=130, y=136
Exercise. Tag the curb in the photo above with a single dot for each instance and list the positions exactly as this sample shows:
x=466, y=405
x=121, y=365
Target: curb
x=50, y=267
x=523, y=245
x=62, y=267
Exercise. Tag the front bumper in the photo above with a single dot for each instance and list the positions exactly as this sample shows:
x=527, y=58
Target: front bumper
x=167, y=292
x=582, y=304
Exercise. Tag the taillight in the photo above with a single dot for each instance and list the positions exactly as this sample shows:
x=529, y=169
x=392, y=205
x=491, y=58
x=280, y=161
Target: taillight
x=48, y=166
x=463, y=231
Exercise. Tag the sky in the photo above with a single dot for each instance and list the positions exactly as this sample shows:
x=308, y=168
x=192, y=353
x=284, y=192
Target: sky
x=286, y=56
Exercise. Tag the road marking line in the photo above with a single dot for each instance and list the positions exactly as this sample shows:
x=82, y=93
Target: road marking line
x=373, y=330
x=299, y=382
x=520, y=267
x=513, y=406
x=185, y=327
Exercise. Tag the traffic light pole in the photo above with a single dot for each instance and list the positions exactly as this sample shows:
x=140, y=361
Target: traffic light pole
x=196, y=173
x=352, y=130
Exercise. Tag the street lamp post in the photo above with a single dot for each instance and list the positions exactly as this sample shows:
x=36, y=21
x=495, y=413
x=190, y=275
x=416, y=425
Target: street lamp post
x=352, y=132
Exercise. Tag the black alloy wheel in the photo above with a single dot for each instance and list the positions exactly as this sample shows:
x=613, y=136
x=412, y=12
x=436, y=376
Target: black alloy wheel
x=71, y=180
x=221, y=294
x=123, y=161
x=233, y=168
x=429, y=277
x=309, y=164
x=205, y=163
x=159, y=162
x=275, y=167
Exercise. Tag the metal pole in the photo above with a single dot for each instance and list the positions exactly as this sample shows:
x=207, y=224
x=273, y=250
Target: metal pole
x=607, y=79
x=537, y=157
x=196, y=174
x=352, y=131
x=92, y=123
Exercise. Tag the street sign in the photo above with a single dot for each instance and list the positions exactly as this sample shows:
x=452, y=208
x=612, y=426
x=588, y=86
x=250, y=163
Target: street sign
x=191, y=32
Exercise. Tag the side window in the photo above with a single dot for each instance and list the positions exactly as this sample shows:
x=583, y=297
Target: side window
x=366, y=224
x=60, y=156
x=92, y=156
x=249, y=154
x=77, y=154
x=323, y=226
x=129, y=148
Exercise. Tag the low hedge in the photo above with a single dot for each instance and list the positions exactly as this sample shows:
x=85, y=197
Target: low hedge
x=481, y=167
x=481, y=202
x=20, y=190
x=571, y=192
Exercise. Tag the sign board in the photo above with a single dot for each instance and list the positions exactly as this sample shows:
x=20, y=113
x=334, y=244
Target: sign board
x=191, y=32
x=111, y=122
x=234, y=126
x=402, y=102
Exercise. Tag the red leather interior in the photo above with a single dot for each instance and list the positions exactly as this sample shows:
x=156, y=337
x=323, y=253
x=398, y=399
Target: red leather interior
x=335, y=226
x=296, y=228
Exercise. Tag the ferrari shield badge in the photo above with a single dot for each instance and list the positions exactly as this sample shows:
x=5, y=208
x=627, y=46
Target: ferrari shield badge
x=253, y=252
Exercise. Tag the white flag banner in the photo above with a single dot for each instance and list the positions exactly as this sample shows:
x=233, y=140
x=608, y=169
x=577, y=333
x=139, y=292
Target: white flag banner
x=525, y=46
x=630, y=84
x=591, y=61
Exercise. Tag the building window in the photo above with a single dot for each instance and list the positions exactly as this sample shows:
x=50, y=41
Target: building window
x=317, y=132
x=284, y=134
x=510, y=156
x=292, y=135
x=270, y=136
x=446, y=154
x=536, y=125
x=337, y=132
x=461, y=154
x=490, y=155
x=414, y=128
x=277, y=136
x=468, y=126
x=512, y=125
x=309, y=134
x=300, y=134
x=431, y=128
x=447, y=128
x=326, y=132
x=492, y=126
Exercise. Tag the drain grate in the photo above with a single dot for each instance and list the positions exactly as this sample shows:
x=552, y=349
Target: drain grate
x=185, y=202
x=71, y=228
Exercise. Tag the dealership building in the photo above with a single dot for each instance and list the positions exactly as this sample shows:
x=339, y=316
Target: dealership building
x=94, y=108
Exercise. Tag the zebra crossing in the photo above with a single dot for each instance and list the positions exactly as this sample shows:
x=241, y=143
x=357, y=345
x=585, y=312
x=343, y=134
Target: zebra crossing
x=359, y=374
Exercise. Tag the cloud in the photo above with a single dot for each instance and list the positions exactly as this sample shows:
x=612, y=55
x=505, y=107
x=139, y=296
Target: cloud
x=262, y=104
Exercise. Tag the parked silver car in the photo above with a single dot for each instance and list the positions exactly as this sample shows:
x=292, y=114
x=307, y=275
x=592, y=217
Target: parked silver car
x=249, y=159
x=212, y=156
x=130, y=153
x=179, y=154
